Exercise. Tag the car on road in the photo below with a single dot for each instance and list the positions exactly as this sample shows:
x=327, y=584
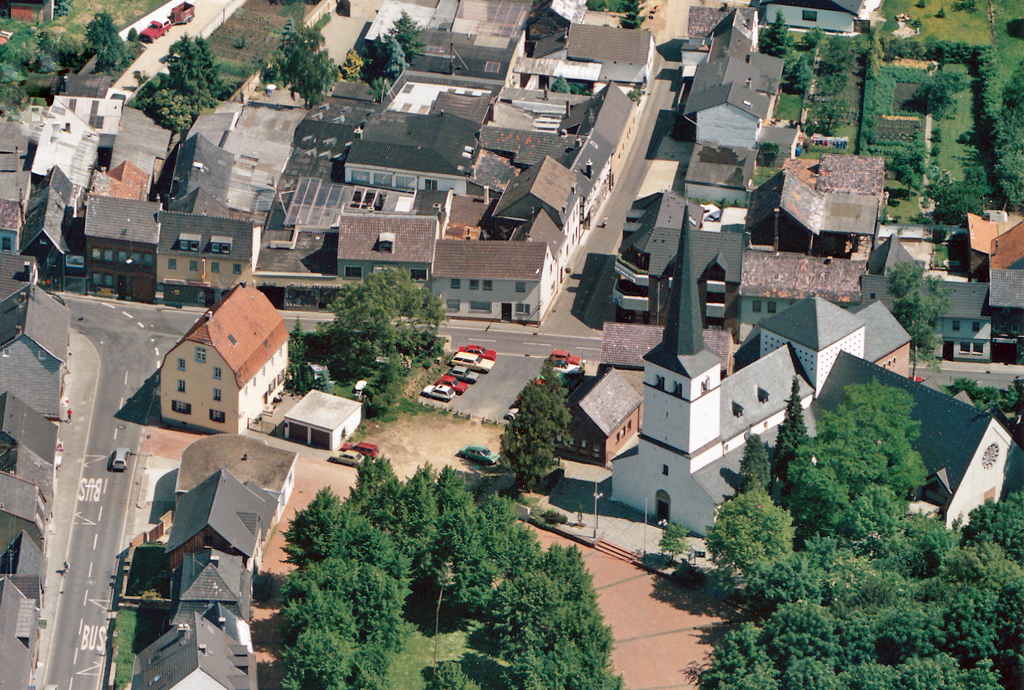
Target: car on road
x=442, y=393
x=565, y=363
x=472, y=362
x=119, y=460
x=347, y=457
x=449, y=380
x=481, y=454
x=480, y=350
x=363, y=448
x=463, y=374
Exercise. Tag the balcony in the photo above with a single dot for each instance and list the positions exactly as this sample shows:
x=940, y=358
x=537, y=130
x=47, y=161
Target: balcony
x=630, y=272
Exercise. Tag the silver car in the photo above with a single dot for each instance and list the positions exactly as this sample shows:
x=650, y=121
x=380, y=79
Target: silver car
x=463, y=374
x=119, y=460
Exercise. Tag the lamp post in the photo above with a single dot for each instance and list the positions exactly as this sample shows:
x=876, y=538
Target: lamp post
x=596, y=497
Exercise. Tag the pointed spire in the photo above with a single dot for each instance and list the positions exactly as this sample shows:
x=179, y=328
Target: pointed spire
x=684, y=328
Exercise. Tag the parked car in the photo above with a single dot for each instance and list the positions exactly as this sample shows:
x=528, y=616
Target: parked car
x=565, y=363
x=359, y=389
x=119, y=460
x=181, y=14
x=472, y=362
x=442, y=393
x=511, y=414
x=480, y=350
x=347, y=457
x=481, y=454
x=449, y=380
x=363, y=448
x=463, y=374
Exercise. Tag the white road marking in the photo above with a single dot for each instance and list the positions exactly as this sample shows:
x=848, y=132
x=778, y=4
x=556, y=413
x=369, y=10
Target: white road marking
x=111, y=306
x=126, y=378
x=141, y=325
x=94, y=538
x=540, y=344
x=94, y=670
x=75, y=660
x=122, y=403
x=80, y=621
x=100, y=603
x=85, y=598
x=100, y=516
x=127, y=314
x=90, y=570
x=84, y=521
x=115, y=433
x=486, y=341
x=157, y=351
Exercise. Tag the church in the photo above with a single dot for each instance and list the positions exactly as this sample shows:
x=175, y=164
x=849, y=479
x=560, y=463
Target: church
x=695, y=422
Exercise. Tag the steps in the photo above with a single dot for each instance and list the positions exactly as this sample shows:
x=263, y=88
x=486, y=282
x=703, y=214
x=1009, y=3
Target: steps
x=615, y=551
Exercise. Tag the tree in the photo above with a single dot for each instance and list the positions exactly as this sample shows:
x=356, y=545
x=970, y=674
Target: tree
x=954, y=199
x=102, y=39
x=560, y=85
x=674, y=540
x=352, y=68
x=755, y=468
x=1001, y=523
x=739, y=661
x=918, y=303
x=826, y=115
x=61, y=7
x=791, y=435
x=192, y=83
x=940, y=91
x=320, y=659
x=450, y=676
x=407, y=33
x=775, y=40
x=632, y=17
x=749, y=528
x=313, y=533
x=528, y=442
x=305, y=66
x=395, y=61
x=300, y=379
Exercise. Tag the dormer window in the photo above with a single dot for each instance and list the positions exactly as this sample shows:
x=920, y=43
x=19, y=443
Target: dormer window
x=386, y=243
x=762, y=395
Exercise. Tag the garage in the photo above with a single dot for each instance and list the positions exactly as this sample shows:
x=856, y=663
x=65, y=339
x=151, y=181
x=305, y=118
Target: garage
x=318, y=438
x=298, y=432
x=322, y=420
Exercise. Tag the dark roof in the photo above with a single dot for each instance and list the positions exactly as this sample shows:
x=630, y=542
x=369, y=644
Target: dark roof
x=226, y=505
x=313, y=253
x=474, y=59
x=15, y=272
x=966, y=300
x=789, y=193
x=322, y=138
x=473, y=108
x=201, y=163
x=22, y=557
x=847, y=174
x=624, y=345
x=703, y=20
x=495, y=259
x=209, y=577
x=86, y=85
x=951, y=430
x=735, y=94
x=441, y=143
x=883, y=334
x=721, y=166
x=21, y=497
x=607, y=403
x=887, y=255
x=542, y=229
x=365, y=238
x=48, y=211
x=126, y=220
x=813, y=322
x=177, y=227
x=528, y=146
x=27, y=427
x=848, y=6
x=493, y=171
x=139, y=140
x=19, y=621
x=35, y=313
x=589, y=43
x=248, y=460
x=1007, y=288
x=201, y=203
x=10, y=214
x=760, y=391
x=795, y=276
x=545, y=184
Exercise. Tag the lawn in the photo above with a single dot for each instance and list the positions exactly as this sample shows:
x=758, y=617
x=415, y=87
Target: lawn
x=957, y=25
x=951, y=152
x=124, y=12
x=134, y=631
x=789, y=107
x=899, y=209
x=150, y=572
x=763, y=174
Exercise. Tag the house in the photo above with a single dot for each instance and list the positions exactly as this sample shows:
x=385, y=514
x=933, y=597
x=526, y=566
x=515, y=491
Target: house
x=648, y=254
x=220, y=513
x=322, y=138
x=606, y=414
x=201, y=165
x=322, y=420
x=771, y=283
x=548, y=186
x=102, y=114
x=16, y=271
x=886, y=255
x=200, y=258
x=1006, y=300
x=19, y=635
x=624, y=345
x=121, y=238
x=126, y=181
x=720, y=173
x=1008, y=249
x=23, y=508
x=195, y=654
x=28, y=444
x=141, y=142
x=63, y=139
x=626, y=56
x=376, y=242
x=11, y=219
x=211, y=578
x=249, y=460
x=495, y=280
x=228, y=367
x=828, y=15
x=548, y=24
x=15, y=184
x=981, y=234
x=24, y=564
x=735, y=90
x=53, y=235
x=34, y=349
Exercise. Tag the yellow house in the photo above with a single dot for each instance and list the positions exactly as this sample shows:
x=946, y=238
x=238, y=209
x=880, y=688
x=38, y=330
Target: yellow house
x=228, y=367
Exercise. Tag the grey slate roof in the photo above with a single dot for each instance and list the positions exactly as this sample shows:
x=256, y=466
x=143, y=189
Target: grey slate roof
x=721, y=478
x=721, y=166
x=787, y=192
x=883, y=334
x=491, y=170
x=226, y=505
x=15, y=273
x=247, y=459
x=846, y=174
x=201, y=163
x=413, y=238
x=433, y=143
x=849, y=6
x=542, y=229
x=1006, y=288
x=589, y=43
x=201, y=203
x=22, y=557
x=608, y=402
x=733, y=93
x=493, y=259
x=174, y=225
x=209, y=577
x=966, y=300
x=39, y=316
x=48, y=210
x=139, y=140
x=813, y=322
x=126, y=220
x=887, y=255
x=21, y=498
x=18, y=621
x=545, y=184
x=759, y=391
x=527, y=146
x=795, y=276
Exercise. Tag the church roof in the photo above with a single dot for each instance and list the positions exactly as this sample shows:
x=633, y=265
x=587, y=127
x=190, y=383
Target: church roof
x=814, y=323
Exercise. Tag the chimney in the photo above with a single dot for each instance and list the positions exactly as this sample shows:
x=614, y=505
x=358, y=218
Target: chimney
x=214, y=558
x=202, y=648
x=590, y=169
x=221, y=620
x=568, y=108
x=487, y=194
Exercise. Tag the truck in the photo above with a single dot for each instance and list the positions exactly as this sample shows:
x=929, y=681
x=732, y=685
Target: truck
x=180, y=14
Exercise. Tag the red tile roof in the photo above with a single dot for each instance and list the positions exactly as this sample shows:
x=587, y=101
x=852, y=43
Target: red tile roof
x=982, y=233
x=126, y=181
x=1008, y=249
x=244, y=329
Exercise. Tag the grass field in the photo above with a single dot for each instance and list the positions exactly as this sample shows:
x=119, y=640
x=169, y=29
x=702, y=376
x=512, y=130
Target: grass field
x=150, y=572
x=957, y=25
x=135, y=631
x=952, y=153
x=901, y=209
x=81, y=13
x=789, y=107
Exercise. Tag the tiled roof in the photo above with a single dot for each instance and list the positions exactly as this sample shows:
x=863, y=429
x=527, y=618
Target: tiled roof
x=37, y=314
x=470, y=212
x=412, y=238
x=787, y=192
x=126, y=181
x=16, y=271
x=440, y=143
x=759, y=391
x=127, y=220
x=845, y=174
x=548, y=182
x=703, y=20
x=529, y=146
x=174, y=225
x=608, y=44
x=139, y=140
x=1008, y=249
x=211, y=576
x=1007, y=288
x=201, y=163
x=721, y=166
x=490, y=259
x=491, y=170
x=26, y=426
x=226, y=505
x=624, y=345
x=542, y=229
x=814, y=323
x=982, y=232
x=248, y=460
x=244, y=328
x=795, y=276
x=10, y=215
x=608, y=402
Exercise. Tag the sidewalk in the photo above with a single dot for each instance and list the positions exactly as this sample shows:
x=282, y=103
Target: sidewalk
x=80, y=390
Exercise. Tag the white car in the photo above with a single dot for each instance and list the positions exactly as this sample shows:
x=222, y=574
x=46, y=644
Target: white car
x=439, y=392
x=472, y=362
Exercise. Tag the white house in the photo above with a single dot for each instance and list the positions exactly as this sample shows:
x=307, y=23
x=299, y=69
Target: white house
x=827, y=15
x=322, y=420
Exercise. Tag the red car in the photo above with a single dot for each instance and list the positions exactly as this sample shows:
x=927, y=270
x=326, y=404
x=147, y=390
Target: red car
x=364, y=448
x=480, y=350
x=459, y=386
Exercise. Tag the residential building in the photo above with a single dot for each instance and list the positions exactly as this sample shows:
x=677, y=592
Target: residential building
x=53, y=235
x=376, y=242
x=126, y=181
x=23, y=508
x=548, y=24
x=15, y=184
x=495, y=280
x=211, y=578
x=142, y=143
x=886, y=343
x=840, y=16
x=322, y=420
x=981, y=233
x=34, y=349
x=200, y=258
x=63, y=139
x=229, y=366
x=16, y=271
x=19, y=635
x=1008, y=249
x=28, y=444
x=102, y=114
x=11, y=219
x=121, y=238
x=626, y=56
x=606, y=414
x=23, y=563
x=886, y=255
x=1006, y=300
x=547, y=186
x=720, y=173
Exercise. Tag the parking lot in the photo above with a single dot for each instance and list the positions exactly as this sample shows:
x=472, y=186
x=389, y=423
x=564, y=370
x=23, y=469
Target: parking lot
x=492, y=395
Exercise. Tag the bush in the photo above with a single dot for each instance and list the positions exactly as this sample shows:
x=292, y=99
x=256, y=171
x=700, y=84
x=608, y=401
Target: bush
x=133, y=35
x=941, y=13
x=553, y=517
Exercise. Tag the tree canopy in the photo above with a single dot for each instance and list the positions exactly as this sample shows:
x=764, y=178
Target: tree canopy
x=528, y=442
x=192, y=83
x=918, y=303
x=101, y=37
x=749, y=528
x=305, y=65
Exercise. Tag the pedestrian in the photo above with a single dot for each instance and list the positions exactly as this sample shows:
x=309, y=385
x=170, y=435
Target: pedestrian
x=69, y=415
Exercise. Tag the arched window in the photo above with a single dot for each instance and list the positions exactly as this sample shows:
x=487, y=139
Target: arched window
x=663, y=506
x=705, y=385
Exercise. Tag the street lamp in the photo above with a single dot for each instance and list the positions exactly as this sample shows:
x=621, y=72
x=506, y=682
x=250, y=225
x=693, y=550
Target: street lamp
x=596, y=497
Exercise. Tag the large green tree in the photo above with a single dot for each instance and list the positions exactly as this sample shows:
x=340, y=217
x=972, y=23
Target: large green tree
x=749, y=528
x=775, y=39
x=102, y=39
x=313, y=533
x=755, y=467
x=632, y=14
x=918, y=303
x=528, y=442
x=407, y=32
x=791, y=436
x=306, y=66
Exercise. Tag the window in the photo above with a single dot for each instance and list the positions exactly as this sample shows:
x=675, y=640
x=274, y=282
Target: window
x=976, y=326
x=809, y=16
x=405, y=181
x=664, y=470
x=7, y=244
x=429, y=184
x=181, y=407
x=136, y=258
x=583, y=444
x=520, y=286
x=361, y=176
x=147, y=259
x=217, y=416
x=956, y=325
x=382, y=179
x=523, y=308
x=193, y=265
x=216, y=393
x=418, y=273
x=172, y=264
x=237, y=269
x=97, y=253
x=771, y=307
x=181, y=386
x=108, y=280
x=215, y=266
x=492, y=67
x=480, y=306
x=456, y=283
x=97, y=279
x=353, y=271
x=216, y=373
x=965, y=347
x=108, y=254
x=181, y=364
x=454, y=305
x=979, y=348
x=755, y=306
x=488, y=285
x=474, y=284
x=122, y=256
x=200, y=354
